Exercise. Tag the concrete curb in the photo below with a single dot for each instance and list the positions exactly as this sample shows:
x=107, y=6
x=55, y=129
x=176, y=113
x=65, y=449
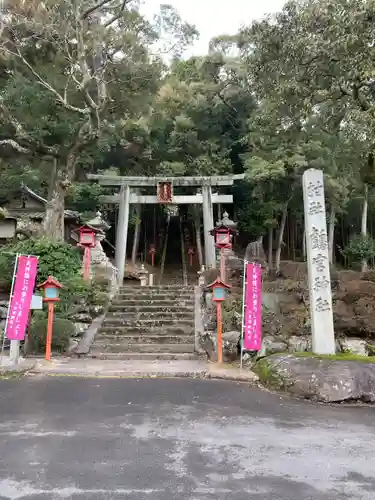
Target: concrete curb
x=234, y=377
x=24, y=366
x=123, y=375
x=229, y=374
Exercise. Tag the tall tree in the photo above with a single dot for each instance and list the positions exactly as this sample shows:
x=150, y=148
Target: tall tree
x=80, y=72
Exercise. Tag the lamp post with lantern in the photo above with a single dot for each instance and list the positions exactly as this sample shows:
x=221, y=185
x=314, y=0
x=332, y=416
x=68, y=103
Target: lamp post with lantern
x=50, y=289
x=223, y=233
x=86, y=241
x=152, y=252
x=191, y=253
x=219, y=292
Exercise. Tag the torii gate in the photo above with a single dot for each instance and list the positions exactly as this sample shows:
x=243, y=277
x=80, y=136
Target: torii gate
x=164, y=194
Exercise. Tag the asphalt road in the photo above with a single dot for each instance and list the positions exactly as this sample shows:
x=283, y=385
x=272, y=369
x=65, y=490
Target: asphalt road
x=111, y=439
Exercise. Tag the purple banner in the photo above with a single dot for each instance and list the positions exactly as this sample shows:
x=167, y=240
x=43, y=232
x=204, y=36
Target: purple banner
x=20, y=301
x=252, y=339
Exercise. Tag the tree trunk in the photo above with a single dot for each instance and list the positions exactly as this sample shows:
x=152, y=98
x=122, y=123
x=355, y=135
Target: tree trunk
x=197, y=225
x=137, y=233
x=364, y=223
x=53, y=222
x=270, y=242
x=280, y=238
x=331, y=232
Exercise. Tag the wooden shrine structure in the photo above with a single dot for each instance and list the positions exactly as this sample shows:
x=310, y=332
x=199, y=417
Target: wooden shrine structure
x=127, y=194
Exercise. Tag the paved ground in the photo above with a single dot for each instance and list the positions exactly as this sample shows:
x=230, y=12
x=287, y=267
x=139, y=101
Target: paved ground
x=153, y=439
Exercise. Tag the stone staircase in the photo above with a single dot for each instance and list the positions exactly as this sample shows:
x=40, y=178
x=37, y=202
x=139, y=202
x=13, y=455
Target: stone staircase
x=148, y=323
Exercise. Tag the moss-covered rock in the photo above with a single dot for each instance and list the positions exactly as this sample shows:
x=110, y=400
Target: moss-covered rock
x=336, y=378
x=269, y=375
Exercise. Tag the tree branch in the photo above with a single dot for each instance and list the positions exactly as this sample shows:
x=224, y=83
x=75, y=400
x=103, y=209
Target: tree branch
x=117, y=16
x=89, y=11
x=14, y=144
x=46, y=85
x=21, y=134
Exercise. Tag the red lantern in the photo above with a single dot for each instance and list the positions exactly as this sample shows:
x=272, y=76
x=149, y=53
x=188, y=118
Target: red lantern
x=87, y=241
x=191, y=253
x=86, y=236
x=223, y=237
x=152, y=252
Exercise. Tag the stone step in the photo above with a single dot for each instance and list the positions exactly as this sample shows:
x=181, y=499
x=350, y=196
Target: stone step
x=159, y=287
x=171, y=288
x=156, y=291
x=146, y=323
x=140, y=330
x=121, y=309
x=116, y=338
x=141, y=348
x=144, y=339
x=150, y=302
x=142, y=316
x=157, y=296
x=143, y=356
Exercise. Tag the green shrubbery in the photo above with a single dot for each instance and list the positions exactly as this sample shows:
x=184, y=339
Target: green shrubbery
x=359, y=248
x=63, y=262
x=63, y=330
x=58, y=259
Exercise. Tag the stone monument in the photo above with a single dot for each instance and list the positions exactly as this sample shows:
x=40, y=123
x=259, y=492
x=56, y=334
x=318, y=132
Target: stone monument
x=323, y=335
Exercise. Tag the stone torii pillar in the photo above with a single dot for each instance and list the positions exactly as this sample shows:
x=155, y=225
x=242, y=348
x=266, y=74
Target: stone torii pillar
x=208, y=225
x=122, y=232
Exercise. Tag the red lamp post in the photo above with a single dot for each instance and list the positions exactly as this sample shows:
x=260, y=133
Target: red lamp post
x=191, y=253
x=223, y=234
x=152, y=252
x=219, y=292
x=86, y=241
x=50, y=289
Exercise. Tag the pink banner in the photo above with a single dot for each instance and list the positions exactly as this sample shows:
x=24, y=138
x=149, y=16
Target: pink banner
x=252, y=340
x=20, y=301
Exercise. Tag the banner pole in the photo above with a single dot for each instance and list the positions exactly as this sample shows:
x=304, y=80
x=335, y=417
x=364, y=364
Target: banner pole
x=10, y=300
x=14, y=351
x=243, y=309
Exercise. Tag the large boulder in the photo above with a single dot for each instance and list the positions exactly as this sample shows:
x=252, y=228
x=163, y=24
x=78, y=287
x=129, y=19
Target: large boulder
x=354, y=346
x=3, y=309
x=325, y=379
x=354, y=290
x=272, y=345
x=231, y=343
x=208, y=344
x=296, y=271
x=287, y=303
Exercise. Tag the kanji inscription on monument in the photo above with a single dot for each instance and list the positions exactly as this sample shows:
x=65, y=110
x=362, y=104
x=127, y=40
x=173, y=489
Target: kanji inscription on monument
x=323, y=335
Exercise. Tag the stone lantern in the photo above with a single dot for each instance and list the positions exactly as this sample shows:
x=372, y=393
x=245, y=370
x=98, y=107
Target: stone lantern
x=143, y=273
x=99, y=261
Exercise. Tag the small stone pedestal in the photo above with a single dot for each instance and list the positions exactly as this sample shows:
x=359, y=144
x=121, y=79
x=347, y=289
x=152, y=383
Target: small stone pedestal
x=201, y=280
x=143, y=276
